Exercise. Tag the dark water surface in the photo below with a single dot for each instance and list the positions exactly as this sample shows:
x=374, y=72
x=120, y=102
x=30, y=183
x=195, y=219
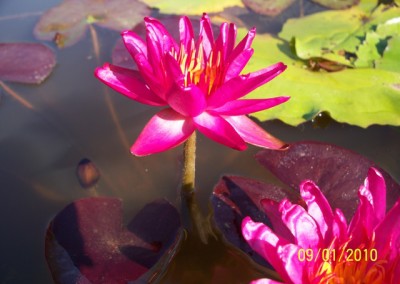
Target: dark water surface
x=72, y=119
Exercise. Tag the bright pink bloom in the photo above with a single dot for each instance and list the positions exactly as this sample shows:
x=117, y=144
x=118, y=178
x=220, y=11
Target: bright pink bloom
x=315, y=244
x=198, y=82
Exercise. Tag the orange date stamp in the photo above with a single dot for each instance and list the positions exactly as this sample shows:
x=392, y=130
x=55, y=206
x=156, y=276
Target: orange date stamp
x=329, y=255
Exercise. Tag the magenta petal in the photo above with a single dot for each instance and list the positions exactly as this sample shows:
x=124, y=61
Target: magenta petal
x=245, y=43
x=252, y=133
x=226, y=39
x=244, y=84
x=375, y=184
x=271, y=208
x=133, y=43
x=186, y=33
x=159, y=33
x=318, y=207
x=188, y=101
x=206, y=34
x=265, y=281
x=267, y=244
x=301, y=224
x=129, y=83
x=241, y=107
x=165, y=130
x=238, y=63
x=219, y=130
x=388, y=233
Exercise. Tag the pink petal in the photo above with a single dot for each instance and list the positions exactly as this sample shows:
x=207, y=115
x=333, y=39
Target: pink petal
x=238, y=63
x=301, y=225
x=188, y=101
x=219, y=130
x=206, y=36
x=165, y=130
x=245, y=43
x=186, y=33
x=241, y=107
x=318, y=207
x=266, y=243
x=271, y=208
x=375, y=184
x=281, y=255
x=133, y=43
x=160, y=34
x=388, y=233
x=340, y=226
x=265, y=281
x=252, y=133
x=244, y=84
x=226, y=39
x=129, y=83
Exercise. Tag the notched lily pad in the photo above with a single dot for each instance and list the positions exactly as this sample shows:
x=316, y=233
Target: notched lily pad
x=87, y=241
x=337, y=171
x=26, y=62
x=68, y=22
x=268, y=7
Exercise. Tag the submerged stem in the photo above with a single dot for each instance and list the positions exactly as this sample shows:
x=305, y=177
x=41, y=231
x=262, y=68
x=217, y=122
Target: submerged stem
x=198, y=225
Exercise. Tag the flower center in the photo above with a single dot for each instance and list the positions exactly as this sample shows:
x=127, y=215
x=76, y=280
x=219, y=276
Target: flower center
x=358, y=266
x=200, y=70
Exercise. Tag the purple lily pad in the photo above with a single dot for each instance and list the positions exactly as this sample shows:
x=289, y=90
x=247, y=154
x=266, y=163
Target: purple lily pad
x=87, y=243
x=337, y=4
x=337, y=171
x=26, y=62
x=68, y=22
x=121, y=57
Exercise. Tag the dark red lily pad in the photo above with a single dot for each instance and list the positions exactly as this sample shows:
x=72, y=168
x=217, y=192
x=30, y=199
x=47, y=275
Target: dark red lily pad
x=337, y=171
x=121, y=57
x=237, y=197
x=26, y=62
x=87, y=242
x=268, y=7
x=67, y=23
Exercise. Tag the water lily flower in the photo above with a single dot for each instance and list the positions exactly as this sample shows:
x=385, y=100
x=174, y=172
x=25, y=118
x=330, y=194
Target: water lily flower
x=198, y=82
x=316, y=245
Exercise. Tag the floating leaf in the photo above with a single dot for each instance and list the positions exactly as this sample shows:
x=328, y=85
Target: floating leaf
x=68, y=22
x=337, y=4
x=87, y=173
x=268, y=7
x=360, y=97
x=391, y=60
x=337, y=171
x=193, y=7
x=86, y=241
x=343, y=33
x=26, y=62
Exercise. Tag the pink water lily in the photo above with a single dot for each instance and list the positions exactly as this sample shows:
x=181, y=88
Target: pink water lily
x=198, y=83
x=316, y=245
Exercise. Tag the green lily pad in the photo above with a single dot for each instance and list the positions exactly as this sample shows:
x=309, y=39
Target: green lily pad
x=193, y=7
x=67, y=23
x=336, y=4
x=360, y=97
x=391, y=60
x=268, y=7
x=351, y=37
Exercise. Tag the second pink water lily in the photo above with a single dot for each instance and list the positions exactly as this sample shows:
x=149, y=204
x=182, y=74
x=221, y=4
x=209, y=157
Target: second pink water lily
x=198, y=82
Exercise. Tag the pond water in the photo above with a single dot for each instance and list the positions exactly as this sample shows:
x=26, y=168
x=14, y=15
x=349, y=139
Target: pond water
x=75, y=117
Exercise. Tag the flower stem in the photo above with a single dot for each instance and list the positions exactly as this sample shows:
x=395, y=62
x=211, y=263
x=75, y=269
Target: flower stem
x=197, y=224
